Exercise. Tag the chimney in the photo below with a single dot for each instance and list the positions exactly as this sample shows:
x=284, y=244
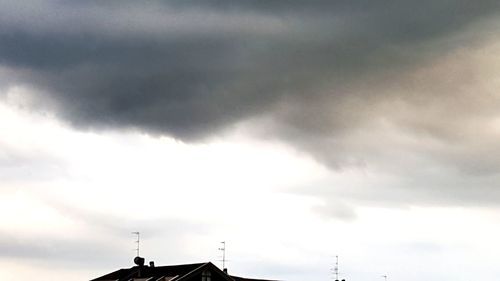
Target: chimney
x=152, y=264
x=225, y=270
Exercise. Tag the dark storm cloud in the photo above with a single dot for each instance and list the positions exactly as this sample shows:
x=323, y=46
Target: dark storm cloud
x=188, y=68
x=333, y=78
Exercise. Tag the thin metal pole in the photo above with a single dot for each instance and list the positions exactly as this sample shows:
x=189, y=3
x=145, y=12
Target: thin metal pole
x=223, y=249
x=336, y=267
x=138, y=241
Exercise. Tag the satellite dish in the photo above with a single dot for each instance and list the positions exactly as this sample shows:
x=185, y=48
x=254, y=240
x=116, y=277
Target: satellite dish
x=139, y=261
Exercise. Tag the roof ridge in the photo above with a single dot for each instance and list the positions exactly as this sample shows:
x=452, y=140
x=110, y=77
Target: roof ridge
x=194, y=270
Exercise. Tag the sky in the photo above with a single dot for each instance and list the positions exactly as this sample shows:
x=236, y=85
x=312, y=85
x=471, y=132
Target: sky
x=295, y=131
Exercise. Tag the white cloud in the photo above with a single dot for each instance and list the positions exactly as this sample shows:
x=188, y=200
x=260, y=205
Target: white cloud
x=188, y=197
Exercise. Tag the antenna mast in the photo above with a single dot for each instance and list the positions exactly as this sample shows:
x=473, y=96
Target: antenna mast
x=223, y=249
x=138, y=241
x=385, y=277
x=336, y=268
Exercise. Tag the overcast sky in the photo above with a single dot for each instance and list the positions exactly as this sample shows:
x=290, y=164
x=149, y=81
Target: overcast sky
x=293, y=130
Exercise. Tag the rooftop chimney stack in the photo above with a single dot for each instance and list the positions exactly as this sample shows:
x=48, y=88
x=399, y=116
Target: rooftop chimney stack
x=225, y=270
x=152, y=264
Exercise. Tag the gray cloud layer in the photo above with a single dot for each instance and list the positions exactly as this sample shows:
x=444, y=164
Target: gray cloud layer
x=109, y=233
x=330, y=77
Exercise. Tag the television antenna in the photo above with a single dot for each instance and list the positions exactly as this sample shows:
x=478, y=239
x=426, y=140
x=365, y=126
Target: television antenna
x=138, y=241
x=385, y=277
x=223, y=249
x=336, y=268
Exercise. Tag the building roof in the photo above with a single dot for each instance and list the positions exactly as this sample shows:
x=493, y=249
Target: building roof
x=173, y=271
x=182, y=272
x=236, y=278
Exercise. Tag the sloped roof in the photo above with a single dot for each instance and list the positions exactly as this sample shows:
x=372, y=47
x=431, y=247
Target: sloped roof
x=236, y=278
x=171, y=272
x=147, y=271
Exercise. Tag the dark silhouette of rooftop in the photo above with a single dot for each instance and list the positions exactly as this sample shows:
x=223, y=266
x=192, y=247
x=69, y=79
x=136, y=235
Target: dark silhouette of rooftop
x=183, y=272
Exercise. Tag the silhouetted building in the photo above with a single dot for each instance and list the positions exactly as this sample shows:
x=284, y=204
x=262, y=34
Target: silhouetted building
x=183, y=272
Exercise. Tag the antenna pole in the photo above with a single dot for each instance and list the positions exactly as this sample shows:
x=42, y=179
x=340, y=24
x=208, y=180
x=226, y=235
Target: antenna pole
x=336, y=268
x=138, y=241
x=223, y=249
x=385, y=277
